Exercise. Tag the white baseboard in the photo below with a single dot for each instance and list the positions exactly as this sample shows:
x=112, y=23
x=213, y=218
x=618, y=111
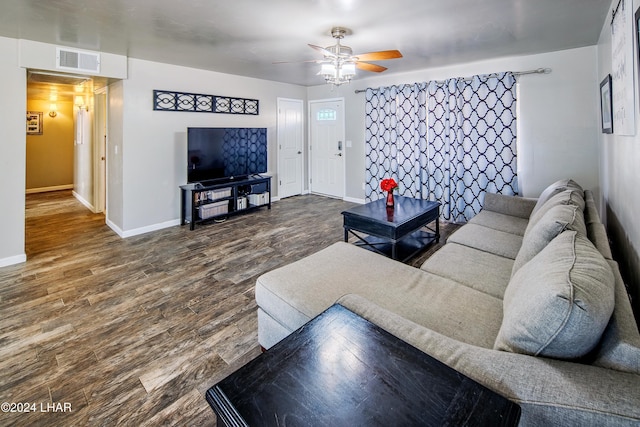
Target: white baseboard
x=114, y=227
x=5, y=262
x=83, y=201
x=47, y=189
x=153, y=227
x=354, y=200
x=142, y=230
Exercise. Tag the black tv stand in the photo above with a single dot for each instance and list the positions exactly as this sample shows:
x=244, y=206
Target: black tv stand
x=209, y=200
x=226, y=180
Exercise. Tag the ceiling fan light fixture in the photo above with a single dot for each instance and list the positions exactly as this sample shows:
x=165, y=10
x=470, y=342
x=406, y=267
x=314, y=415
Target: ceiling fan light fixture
x=347, y=70
x=328, y=71
x=337, y=72
x=339, y=64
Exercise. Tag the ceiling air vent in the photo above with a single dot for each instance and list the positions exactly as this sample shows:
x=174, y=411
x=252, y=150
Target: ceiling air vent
x=77, y=60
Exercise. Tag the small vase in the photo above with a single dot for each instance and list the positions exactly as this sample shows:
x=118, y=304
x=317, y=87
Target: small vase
x=389, y=199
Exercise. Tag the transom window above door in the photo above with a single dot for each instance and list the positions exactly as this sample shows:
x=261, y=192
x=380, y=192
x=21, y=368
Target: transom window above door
x=326, y=114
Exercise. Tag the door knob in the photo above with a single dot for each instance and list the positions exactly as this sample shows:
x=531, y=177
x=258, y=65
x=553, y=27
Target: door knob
x=339, y=154
x=299, y=152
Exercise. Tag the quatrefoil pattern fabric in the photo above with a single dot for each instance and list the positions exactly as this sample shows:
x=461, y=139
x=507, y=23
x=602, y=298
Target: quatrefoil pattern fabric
x=450, y=142
x=243, y=150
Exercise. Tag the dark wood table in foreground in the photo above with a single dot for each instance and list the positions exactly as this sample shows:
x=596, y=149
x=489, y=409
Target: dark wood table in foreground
x=341, y=370
x=397, y=232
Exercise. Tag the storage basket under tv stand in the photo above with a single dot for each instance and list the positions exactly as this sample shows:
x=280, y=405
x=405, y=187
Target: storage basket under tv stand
x=204, y=202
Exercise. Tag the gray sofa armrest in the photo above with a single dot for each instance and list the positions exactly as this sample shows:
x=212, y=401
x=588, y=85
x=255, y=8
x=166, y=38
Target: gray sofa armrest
x=549, y=391
x=509, y=205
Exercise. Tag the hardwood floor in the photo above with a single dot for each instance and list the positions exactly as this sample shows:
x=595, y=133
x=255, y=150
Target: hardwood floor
x=133, y=331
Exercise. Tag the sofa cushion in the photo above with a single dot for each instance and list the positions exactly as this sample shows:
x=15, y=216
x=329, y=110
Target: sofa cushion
x=520, y=207
x=556, y=220
x=553, y=189
x=471, y=267
x=499, y=221
x=488, y=240
x=559, y=303
x=567, y=197
x=295, y=293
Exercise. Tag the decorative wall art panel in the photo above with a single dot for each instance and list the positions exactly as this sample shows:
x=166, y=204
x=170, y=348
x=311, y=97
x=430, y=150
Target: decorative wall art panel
x=181, y=101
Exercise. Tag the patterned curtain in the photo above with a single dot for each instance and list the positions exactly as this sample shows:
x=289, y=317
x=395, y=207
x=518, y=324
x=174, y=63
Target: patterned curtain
x=463, y=145
x=396, y=139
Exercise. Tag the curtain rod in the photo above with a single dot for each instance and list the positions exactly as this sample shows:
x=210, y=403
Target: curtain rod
x=515, y=73
x=615, y=11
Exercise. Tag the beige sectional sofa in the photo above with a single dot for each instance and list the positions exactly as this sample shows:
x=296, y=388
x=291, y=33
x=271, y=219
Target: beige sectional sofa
x=525, y=299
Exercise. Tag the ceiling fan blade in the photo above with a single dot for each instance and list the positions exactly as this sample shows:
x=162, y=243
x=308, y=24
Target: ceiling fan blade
x=322, y=50
x=379, y=56
x=370, y=67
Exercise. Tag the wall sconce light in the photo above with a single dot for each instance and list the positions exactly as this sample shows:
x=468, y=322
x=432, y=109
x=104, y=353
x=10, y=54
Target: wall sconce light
x=53, y=110
x=79, y=102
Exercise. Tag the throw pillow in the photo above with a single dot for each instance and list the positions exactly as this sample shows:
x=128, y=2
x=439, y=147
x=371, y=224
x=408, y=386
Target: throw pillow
x=566, y=197
x=556, y=220
x=559, y=303
x=555, y=188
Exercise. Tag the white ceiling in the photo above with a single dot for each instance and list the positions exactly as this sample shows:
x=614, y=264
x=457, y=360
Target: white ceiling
x=245, y=37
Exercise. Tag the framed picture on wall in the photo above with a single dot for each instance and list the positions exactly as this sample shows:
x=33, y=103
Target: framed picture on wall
x=606, y=108
x=34, y=122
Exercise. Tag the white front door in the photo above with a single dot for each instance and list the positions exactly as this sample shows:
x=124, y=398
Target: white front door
x=327, y=147
x=290, y=141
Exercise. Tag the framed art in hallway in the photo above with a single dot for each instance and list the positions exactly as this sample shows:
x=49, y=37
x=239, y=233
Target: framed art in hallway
x=606, y=108
x=34, y=123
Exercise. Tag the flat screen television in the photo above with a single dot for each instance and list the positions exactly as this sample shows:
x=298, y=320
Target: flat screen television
x=218, y=154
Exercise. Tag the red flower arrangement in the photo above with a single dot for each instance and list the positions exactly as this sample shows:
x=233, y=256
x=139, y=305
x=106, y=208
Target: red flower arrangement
x=388, y=184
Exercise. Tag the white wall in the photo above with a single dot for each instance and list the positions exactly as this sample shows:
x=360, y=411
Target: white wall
x=153, y=147
x=557, y=119
x=620, y=170
x=42, y=56
x=83, y=158
x=115, y=175
x=620, y=154
x=13, y=106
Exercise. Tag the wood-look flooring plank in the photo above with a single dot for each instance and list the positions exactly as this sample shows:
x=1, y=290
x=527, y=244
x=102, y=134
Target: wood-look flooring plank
x=134, y=331
x=187, y=407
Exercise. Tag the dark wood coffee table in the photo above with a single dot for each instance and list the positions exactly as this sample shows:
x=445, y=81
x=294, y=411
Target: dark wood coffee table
x=341, y=370
x=399, y=232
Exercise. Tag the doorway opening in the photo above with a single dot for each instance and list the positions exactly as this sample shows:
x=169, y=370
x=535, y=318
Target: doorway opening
x=65, y=151
x=68, y=150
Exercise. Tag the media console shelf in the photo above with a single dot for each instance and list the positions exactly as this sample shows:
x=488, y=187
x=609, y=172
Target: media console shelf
x=202, y=201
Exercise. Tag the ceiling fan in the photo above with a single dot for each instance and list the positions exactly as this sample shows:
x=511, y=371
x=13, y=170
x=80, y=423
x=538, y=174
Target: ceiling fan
x=339, y=64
